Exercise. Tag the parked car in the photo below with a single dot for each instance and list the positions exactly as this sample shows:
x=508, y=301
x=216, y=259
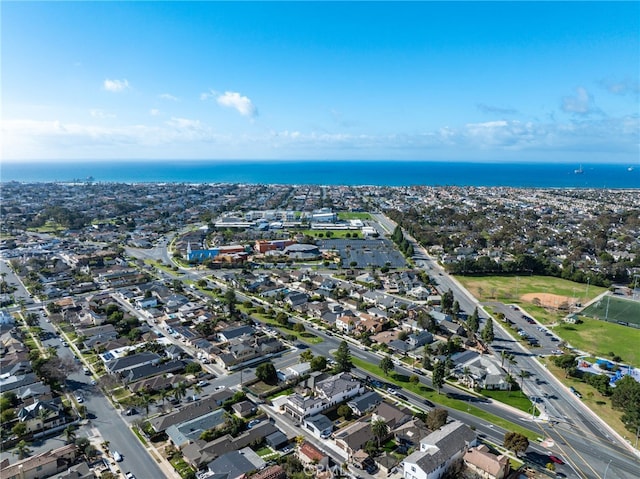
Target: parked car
x=129, y=475
x=556, y=459
x=252, y=423
x=117, y=456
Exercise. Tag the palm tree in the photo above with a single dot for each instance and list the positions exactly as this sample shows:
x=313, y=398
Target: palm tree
x=379, y=429
x=524, y=374
x=466, y=372
x=70, y=434
x=197, y=389
x=503, y=356
x=145, y=400
x=512, y=362
x=22, y=449
x=43, y=414
x=164, y=394
x=180, y=391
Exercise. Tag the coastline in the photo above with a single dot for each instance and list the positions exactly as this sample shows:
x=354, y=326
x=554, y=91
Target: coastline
x=348, y=173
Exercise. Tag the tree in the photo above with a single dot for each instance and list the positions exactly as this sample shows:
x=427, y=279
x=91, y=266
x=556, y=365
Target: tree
x=230, y=300
x=22, y=449
x=473, y=322
x=70, y=433
x=343, y=358
x=436, y=418
x=266, y=372
x=193, y=368
x=299, y=328
x=386, y=364
x=523, y=374
x=20, y=429
x=626, y=397
x=318, y=363
x=487, y=332
x=566, y=362
x=439, y=371
x=379, y=429
x=516, y=442
x=306, y=355
x=180, y=390
x=345, y=411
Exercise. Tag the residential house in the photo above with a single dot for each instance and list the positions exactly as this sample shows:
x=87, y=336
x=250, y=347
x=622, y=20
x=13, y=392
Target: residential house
x=346, y=324
x=47, y=464
x=244, y=408
x=310, y=454
x=150, y=370
x=185, y=432
x=452, y=328
x=189, y=412
x=41, y=415
x=236, y=464
x=365, y=403
x=419, y=339
x=235, y=332
x=438, y=451
x=272, y=472
x=199, y=453
x=486, y=464
x=477, y=370
x=124, y=363
x=295, y=299
x=318, y=425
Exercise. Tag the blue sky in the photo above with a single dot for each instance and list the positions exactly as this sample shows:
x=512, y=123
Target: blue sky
x=476, y=81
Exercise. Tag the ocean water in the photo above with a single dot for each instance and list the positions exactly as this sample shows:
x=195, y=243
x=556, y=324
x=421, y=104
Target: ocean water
x=378, y=173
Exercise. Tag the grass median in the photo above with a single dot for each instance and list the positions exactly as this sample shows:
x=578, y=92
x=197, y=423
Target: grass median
x=443, y=399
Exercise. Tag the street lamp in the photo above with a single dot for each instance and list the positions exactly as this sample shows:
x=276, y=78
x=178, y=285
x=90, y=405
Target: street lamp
x=607, y=469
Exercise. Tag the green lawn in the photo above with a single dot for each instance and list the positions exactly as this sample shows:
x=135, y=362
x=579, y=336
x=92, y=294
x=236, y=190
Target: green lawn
x=601, y=338
x=443, y=399
x=332, y=234
x=354, y=215
x=514, y=399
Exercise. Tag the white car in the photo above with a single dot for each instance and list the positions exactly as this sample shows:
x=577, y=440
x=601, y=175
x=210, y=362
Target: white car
x=117, y=456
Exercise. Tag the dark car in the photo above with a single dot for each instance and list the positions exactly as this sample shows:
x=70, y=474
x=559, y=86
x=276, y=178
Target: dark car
x=556, y=459
x=429, y=403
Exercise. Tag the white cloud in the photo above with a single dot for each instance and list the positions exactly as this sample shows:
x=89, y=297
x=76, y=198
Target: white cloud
x=154, y=112
x=209, y=94
x=242, y=104
x=116, y=86
x=580, y=104
x=623, y=87
x=168, y=96
x=99, y=113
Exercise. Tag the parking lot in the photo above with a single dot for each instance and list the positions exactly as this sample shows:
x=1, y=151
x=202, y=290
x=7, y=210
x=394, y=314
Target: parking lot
x=365, y=253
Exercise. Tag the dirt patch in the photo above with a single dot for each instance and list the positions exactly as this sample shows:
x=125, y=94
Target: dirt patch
x=548, y=300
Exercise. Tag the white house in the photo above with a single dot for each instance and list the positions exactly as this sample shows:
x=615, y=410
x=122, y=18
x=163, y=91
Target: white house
x=328, y=393
x=438, y=451
x=346, y=324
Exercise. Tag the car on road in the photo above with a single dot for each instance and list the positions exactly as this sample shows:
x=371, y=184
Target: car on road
x=79, y=398
x=556, y=459
x=429, y=403
x=129, y=475
x=203, y=383
x=117, y=456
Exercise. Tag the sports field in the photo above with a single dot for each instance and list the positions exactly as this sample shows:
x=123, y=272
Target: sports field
x=543, y=291
x=615, y=309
